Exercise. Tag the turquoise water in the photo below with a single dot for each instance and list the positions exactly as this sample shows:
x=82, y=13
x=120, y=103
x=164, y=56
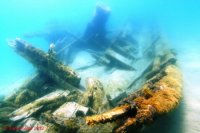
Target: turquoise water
x=178, y=19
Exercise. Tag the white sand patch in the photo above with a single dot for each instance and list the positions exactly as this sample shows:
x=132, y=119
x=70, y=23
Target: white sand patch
x=82, y=59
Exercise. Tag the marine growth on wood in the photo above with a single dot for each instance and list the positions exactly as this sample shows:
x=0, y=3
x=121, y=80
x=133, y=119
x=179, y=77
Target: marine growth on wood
x=47, y=64
x=159, y=95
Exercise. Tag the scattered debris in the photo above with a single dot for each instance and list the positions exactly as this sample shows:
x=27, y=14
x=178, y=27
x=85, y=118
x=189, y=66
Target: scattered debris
x=56, y=100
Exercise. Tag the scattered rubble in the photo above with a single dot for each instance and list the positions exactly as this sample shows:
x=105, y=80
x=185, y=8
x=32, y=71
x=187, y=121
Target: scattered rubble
x=55, y=99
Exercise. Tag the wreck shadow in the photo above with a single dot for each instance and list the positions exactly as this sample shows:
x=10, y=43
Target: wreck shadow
x=172, y=122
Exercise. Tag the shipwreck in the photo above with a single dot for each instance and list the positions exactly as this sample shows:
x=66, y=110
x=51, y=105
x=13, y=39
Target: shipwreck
x=120, y=92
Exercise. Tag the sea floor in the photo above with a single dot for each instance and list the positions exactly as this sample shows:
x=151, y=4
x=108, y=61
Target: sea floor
x=190, y=65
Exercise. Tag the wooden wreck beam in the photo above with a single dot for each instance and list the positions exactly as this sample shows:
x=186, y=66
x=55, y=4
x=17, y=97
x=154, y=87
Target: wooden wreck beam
x=157, y=97
x=119, y=60
x=156, y=66
x=123, y=52
x=47, y=64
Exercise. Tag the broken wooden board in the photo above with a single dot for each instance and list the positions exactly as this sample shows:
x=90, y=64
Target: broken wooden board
x=119, y=60
x=31, y=108
x=70, y=109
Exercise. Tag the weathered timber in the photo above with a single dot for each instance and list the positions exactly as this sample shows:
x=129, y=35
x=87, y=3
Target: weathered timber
x=123, y=51
x=119, y=60
x=43, y=102
x=119, y=55
x=47, y=64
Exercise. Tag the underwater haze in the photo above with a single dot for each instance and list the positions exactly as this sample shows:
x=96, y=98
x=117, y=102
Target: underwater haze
x=178, y=20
